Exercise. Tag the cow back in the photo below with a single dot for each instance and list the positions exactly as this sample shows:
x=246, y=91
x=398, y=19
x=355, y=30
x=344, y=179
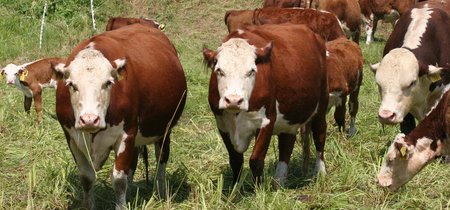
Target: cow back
x=153, y=83
x=41, y=71
x=118, y=22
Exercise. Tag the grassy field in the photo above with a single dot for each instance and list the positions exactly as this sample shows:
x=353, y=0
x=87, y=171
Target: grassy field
x=37, y=170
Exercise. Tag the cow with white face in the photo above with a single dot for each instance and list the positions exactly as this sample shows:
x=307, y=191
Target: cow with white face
x=415, y=58
x=120, y=90
x=260, y=86
x=410, y=153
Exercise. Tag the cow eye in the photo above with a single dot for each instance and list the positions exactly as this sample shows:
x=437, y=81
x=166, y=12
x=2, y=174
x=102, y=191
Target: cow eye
x=391, y=160
x=412, y=84
x=219, y=72
x=72, y=86
x=108, y=84
x=251, y=72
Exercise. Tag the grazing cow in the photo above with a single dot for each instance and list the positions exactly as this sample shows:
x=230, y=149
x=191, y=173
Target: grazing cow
x=406, y=74
x=118, y=22
x=260, y=86
x=344, y=69
x=388, y=10
x=322, y=23
x=409, y=154
x=348, y=12
x=121, y=89
x=31, y=78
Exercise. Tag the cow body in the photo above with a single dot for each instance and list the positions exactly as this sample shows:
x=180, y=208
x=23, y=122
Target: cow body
x=31, y=79
x=344, y=69
x=322, y=23
x=100, y=112
x=118, y=22
x=409, y=154
x=261, y=86
x=388, y=10
x=348, y=12
x=406, y=74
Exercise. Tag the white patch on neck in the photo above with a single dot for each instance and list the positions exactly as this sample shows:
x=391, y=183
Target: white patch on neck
x=417, y=27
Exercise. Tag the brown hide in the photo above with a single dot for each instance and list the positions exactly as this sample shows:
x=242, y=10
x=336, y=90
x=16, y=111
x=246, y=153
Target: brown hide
x=118, y=22
x=344, y=69
x=322, y=23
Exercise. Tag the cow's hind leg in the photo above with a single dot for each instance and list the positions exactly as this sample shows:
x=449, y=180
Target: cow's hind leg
x=236, y=159
x=339, y=113
x=162, y=152
x=286, y=144
x=37, y=95
x=353, y=107
x=319, y=128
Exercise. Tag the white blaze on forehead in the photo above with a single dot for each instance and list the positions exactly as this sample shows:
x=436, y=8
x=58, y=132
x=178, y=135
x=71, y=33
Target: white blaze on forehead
x=89, y=72
x=417, y=27
x=236, y=59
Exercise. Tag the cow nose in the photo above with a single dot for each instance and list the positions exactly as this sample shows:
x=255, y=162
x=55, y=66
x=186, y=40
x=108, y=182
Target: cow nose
x=234, y=101
x=387, y=117
x=10, y=82
x=89, y=121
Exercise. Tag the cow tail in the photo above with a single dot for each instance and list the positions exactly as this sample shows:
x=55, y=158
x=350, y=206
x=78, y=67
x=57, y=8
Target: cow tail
x=144, y=151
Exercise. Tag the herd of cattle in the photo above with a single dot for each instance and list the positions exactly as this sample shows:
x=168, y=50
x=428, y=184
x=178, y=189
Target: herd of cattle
x=109, y=92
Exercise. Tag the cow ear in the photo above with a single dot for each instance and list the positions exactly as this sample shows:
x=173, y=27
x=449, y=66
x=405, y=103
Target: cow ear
x=118, y=65
x=374, y=67
x=434, y=72
x=59, y=70
x=210, y=57
x=263, y=53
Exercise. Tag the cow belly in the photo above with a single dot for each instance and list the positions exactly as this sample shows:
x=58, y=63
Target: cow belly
x=242, y=126
x=141, y=140
x=97, y=149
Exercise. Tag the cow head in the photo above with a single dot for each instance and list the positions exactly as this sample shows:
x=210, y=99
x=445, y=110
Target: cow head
x=12, y=73
x=235, y=66
x=403, y=83
x=404, y=161
x=90, y=77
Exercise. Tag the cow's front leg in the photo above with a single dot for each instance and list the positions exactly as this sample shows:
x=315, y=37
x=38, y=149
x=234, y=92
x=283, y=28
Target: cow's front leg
x=27, y=104
x=286, y=142
x=124, y=157
x=262, y=143
x=162, y=152
x=87, y=175
x=236, y=159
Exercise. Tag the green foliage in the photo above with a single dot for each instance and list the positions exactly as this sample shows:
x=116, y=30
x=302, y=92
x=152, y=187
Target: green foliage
x=37, y=170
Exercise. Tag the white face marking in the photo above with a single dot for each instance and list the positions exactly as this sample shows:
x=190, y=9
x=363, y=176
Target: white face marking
x=417, y=27
x=397, y=169
x=236, y=70
x=90, y=80
x=400, y=85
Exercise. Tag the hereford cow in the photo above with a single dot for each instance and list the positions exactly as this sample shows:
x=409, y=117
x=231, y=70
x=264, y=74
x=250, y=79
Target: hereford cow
x=322, y=23
x=118, y=22
x=31, y=78
x=406, y=74
x=409, y=154
x=388, y=10
x=348, y=12
x=260, y=86
x=119, y=90
x=344, y=69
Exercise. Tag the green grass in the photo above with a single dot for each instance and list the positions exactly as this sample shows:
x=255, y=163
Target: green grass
x=37, y=170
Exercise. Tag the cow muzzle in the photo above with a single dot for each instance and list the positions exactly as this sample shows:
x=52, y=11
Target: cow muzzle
x=10, y=82
x=387, y=117
x=233, y=103
x=90, y=123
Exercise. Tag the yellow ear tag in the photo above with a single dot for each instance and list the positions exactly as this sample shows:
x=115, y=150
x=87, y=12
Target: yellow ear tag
x=435, y=77
x=24, y=74
x=162, y=27
x=119, y=77
x=403, y=153
x=1, y=76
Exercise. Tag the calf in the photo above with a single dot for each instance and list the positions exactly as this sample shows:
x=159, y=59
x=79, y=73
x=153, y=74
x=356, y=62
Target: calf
x=31, y=78
x=407, y=73
x=344, y=69
x=260, y=86
x=409, y=154
x=388, y=10
x=118, y=22
x=322, y=23
x=119, y=90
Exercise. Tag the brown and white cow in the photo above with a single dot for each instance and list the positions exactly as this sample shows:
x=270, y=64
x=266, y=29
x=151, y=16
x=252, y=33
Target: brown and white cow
x=100, y=112
x=388, y=10
x=345, y=73
x=322, y=23
x=409, y=154
x=118, y=22
x=260, y=86
x=407, y=73
x=348, y=12
x=31, y=78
